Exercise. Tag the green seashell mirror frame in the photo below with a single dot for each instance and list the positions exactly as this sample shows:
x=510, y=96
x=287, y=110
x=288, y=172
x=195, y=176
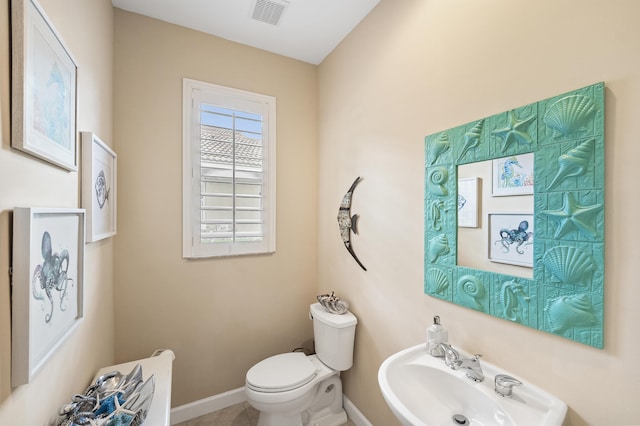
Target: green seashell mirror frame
x=566, y=295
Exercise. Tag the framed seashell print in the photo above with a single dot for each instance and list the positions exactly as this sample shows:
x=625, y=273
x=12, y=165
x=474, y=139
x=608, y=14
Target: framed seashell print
x=99, y=181
x=560, y=142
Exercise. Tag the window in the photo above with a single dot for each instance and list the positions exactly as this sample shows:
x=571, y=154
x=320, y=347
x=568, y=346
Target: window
x=228, y=171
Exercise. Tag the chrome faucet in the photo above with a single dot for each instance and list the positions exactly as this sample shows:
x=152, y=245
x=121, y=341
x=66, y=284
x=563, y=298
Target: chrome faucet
x=452, y=359
x=473, y=367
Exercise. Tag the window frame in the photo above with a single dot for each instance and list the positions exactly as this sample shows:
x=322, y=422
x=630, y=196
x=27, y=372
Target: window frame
x=197, y=92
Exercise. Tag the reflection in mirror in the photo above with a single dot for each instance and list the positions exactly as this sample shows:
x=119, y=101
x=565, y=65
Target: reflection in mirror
x=499, y=181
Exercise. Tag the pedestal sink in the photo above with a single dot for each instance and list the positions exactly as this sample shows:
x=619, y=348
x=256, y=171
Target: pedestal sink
x=422, y=391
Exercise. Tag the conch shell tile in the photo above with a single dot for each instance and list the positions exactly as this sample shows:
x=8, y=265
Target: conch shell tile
x=438, y=147
x=574, y=162
x=438, y=246
x=566, y=312
x=472, y=138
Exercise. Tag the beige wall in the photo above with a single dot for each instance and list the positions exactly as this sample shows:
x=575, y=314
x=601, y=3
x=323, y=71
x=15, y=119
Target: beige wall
x=412, y=68
x=220, y=316
x=87, y=29
x=416, y=67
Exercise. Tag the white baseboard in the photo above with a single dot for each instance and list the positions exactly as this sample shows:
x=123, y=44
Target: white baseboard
x=207, y=405
x=354, y=414
x=217, y=402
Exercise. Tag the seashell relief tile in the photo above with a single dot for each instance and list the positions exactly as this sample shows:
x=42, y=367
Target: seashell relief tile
x=566, y=295
x=577, y=164
x=439, y=282
x=569, y=265
x=472, y=289
x=438, y=149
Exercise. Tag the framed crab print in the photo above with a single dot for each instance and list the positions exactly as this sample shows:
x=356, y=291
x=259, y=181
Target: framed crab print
x=47, y=281
x=99, y=174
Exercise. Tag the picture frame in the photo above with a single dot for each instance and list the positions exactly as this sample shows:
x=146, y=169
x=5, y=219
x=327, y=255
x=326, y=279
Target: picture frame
x=468, y=202
x=511, y=238
x=47, y=283
x=513, y=175
x=44, y=88
x=99, y=182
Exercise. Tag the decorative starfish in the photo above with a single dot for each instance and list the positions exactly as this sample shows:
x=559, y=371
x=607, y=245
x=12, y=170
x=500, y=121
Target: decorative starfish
x=574, y=216
x=515, y=131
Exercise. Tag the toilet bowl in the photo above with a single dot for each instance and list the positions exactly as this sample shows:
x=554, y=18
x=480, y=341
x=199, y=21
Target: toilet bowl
x=293, y=389
x=286, y=400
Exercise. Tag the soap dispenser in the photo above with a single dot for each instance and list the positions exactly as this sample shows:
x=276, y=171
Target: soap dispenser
x=436, y=334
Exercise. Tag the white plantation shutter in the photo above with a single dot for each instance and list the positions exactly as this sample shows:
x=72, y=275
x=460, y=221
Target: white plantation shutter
x=229, y=171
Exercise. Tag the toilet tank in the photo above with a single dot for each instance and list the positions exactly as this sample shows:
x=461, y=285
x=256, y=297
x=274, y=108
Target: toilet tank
x=334, y=337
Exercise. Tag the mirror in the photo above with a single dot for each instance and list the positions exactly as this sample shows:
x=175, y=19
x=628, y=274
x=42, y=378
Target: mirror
x=502, y=188
x=564, y=293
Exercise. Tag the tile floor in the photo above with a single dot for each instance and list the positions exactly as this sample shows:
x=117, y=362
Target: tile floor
x=241, y=414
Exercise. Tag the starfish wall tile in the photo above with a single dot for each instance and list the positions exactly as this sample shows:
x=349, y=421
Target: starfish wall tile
x=515, y=131
x=573, y=216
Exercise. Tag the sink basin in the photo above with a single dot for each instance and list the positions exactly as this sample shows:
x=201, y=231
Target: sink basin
x=421, y=390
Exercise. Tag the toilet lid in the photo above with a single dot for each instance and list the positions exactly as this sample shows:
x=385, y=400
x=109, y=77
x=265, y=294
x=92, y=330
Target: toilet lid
x=282, y=372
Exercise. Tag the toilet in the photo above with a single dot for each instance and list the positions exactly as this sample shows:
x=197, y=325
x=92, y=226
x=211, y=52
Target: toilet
x=293, y=389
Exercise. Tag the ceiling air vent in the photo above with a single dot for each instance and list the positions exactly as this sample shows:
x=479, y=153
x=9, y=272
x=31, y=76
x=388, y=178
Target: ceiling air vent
x=269, y=11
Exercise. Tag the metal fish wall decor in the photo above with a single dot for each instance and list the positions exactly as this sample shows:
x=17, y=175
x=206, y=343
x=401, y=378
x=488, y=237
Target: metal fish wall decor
x=348, y=223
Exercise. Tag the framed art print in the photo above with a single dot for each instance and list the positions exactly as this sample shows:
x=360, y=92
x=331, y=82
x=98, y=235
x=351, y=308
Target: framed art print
x=513, y=175
x=99, y=178
x=47, y=283
x=468, y=202
x=511, y=238
x=44, y=79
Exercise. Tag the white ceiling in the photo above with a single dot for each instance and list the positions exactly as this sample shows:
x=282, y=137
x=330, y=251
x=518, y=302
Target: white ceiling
x=308, y=30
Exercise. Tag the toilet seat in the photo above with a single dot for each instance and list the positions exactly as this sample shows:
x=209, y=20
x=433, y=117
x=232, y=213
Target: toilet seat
x=281, y=373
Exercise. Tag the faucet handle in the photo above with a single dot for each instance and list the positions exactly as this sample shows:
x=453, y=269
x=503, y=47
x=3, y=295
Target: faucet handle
x=451, y=356
x=504, y=385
